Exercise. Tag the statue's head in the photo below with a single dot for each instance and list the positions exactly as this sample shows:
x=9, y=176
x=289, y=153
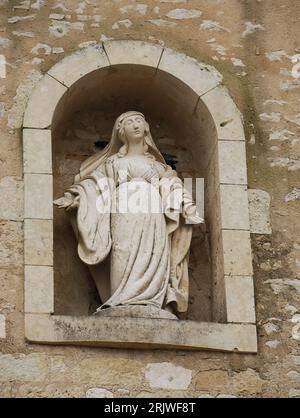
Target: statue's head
x=131, y=127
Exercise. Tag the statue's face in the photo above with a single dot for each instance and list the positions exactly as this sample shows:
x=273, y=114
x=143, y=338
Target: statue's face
x=134, y=127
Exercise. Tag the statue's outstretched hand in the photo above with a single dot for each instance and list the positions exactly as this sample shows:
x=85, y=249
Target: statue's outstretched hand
x=67, y=201
x=195, y=220
x=191, y=214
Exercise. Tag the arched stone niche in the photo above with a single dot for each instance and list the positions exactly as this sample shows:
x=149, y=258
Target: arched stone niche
x=196, y=124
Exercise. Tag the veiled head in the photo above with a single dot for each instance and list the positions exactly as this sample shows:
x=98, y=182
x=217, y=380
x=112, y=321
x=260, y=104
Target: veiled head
x=131, y=127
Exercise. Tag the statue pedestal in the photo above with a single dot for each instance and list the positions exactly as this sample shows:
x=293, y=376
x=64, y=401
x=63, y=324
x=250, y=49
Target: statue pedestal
x=135, y=311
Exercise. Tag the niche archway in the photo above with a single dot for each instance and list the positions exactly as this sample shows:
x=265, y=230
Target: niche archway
x=196, y=124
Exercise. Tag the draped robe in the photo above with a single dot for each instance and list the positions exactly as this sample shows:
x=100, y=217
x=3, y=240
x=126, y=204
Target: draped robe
x=148, y=251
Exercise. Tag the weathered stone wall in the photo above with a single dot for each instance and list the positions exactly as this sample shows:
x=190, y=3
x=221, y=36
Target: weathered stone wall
x=254, y=45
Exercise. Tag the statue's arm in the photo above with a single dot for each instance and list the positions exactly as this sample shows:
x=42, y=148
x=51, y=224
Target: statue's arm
x=69, y=201
x=189, y=209
x=71, y=198
x=192, y=216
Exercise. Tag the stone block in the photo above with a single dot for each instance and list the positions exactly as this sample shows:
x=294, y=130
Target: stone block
x=259, y=208
x=227, y=117
x=247, y=382
x=39, y=289
x=218, y=288
x=11, y=155
x=37, y=151
x=234, y=207
x=38, y=248
x=133, y=52
x=240, y=302
x=294, y=393
x=78, y=64
x=168, y=376
x=2, y=326
x=98, y=393
x=22, y=367
x=11, y=244
x=232, y=162
x=140, y=333
x=177, y=94
x=237, y=253
x=96, y=372
x=199, y=77
x=205, y=396
x=211, y=380
x=42, y=103
x=212, y=181
x=207, y=137
x=11, y=203
x=38, y=196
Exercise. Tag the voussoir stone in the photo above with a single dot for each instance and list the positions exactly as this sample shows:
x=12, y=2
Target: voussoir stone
x=199, y=77
x=42, y=103
x=227, y=117
x=78, y=64
x=133, y=52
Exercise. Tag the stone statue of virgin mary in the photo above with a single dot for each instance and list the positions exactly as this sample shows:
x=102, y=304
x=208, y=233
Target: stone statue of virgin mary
x=127, y=204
